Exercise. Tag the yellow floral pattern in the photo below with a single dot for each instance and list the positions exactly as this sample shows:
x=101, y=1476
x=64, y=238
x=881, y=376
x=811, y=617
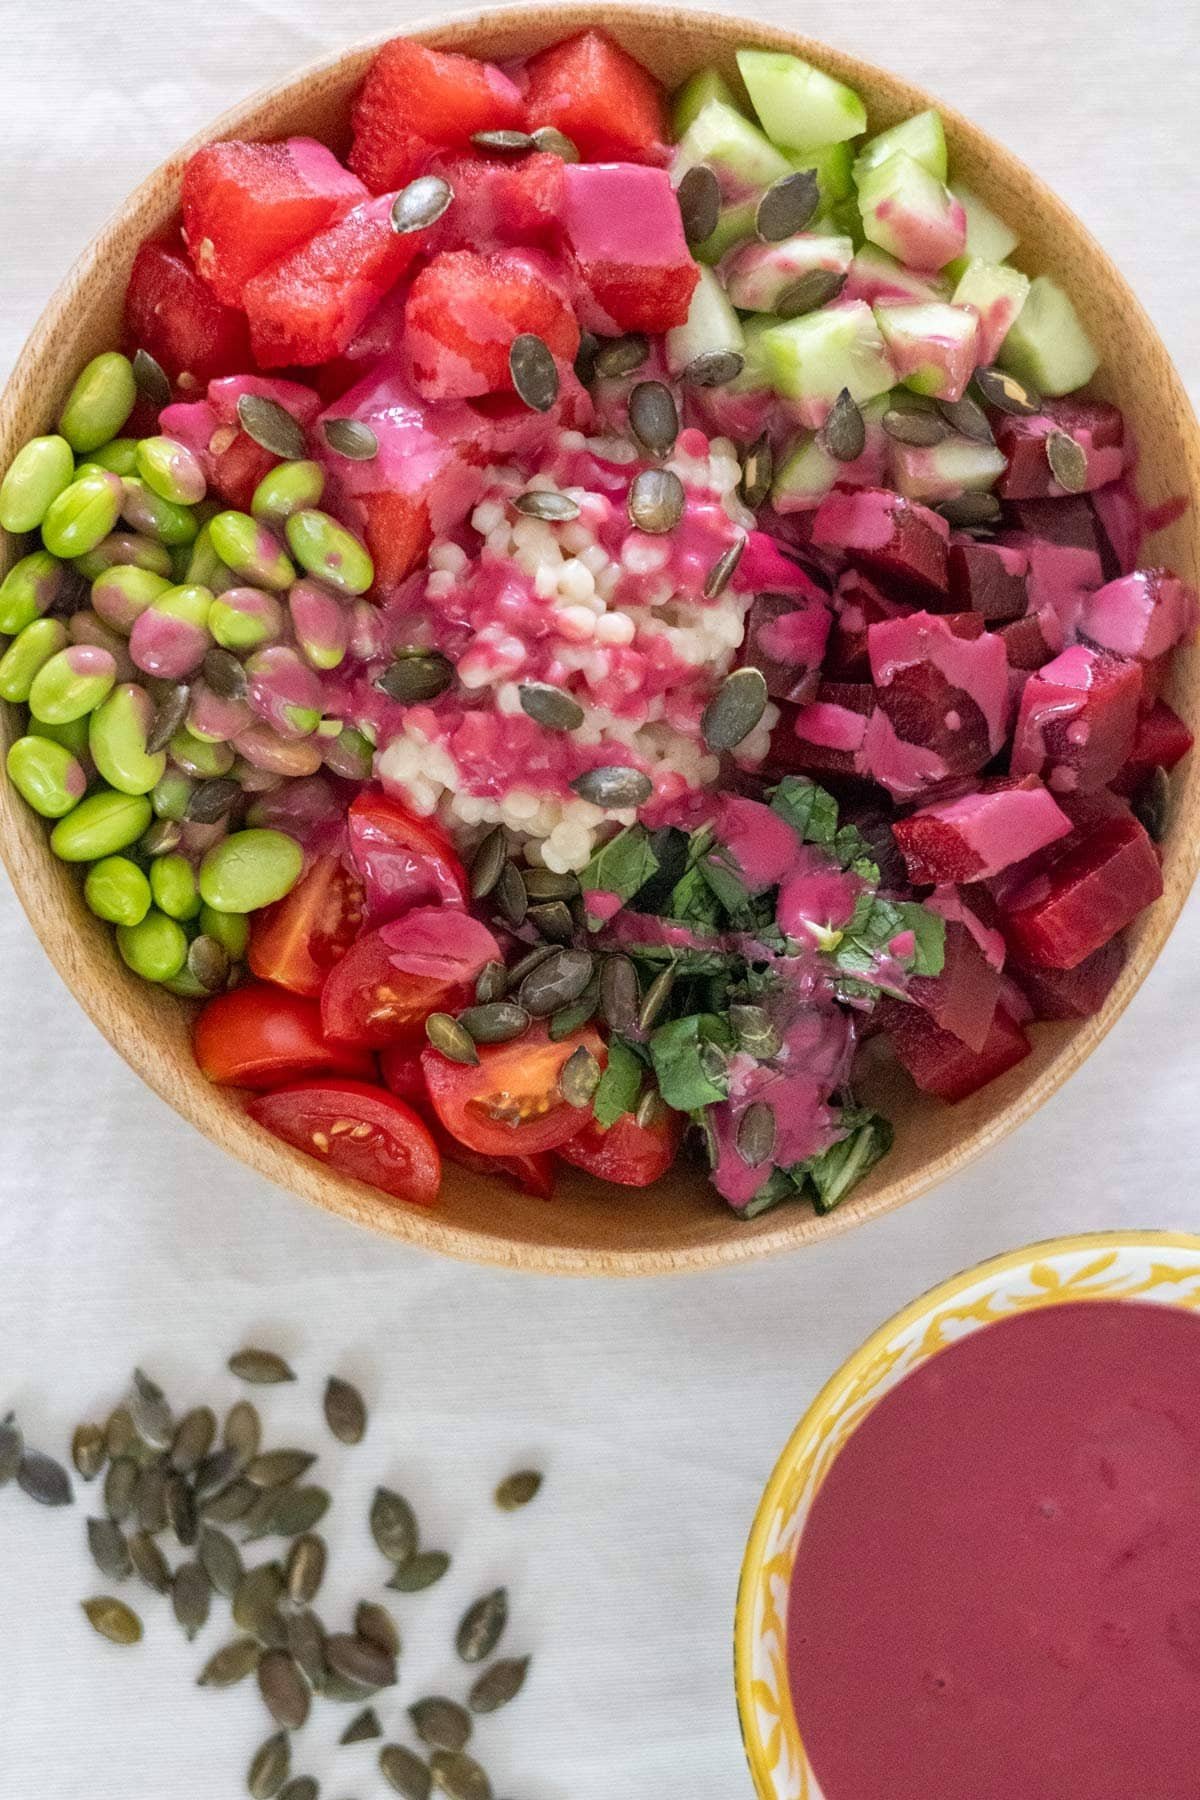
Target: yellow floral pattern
x=1162, y=1267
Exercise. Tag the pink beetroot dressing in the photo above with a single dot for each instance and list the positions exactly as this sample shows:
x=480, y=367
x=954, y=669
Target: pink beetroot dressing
x=997, y=1593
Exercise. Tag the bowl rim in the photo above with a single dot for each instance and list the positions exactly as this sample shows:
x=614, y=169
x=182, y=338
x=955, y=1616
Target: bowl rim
x=787, y=1229
x=824, y=1403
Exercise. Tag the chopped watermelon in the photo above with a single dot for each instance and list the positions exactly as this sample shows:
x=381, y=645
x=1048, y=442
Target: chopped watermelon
x=977, y=835
x=175, y=316
x=1092, y=891
x=939, y=1062
x=502, y=202
x=989, y=579
x=1075, y=993
x=610, y=107
x=416, y=101
x=246, y=205
x=900, y=543
x=1077, y=720
x=963, y=998
x=464, y=311
x=1096, y=427
x=622, y=226
x=1162, y=740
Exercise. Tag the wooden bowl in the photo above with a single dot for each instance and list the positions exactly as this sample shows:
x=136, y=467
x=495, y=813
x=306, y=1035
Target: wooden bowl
x=588, y=1228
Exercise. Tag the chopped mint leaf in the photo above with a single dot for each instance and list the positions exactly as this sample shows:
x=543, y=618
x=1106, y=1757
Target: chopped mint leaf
x=693, y=902
x=844, y=1164
x=808, y=809
x=929, y=929
x=728, y=887
x=874, y=924
x=780, y=1185
x=671, y=848
x=686, y=1055
x=620, y=1084
x=620, y=867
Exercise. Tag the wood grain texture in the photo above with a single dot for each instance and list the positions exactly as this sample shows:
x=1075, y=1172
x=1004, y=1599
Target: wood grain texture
x=589, y=1228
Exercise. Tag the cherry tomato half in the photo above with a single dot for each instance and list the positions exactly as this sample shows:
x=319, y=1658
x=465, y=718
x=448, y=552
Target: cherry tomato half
x=630, y=1154
x=401, y=1068
x=510, y=1104
x=257, y=1036
x=359, y=1130
x=403, y=861
x=385, y=987
x=296, y=942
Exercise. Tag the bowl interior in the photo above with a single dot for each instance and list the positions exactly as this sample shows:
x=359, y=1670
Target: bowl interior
x=678, y=1224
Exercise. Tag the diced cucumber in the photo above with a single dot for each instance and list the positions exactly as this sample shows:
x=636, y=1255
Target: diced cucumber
x=711, y=324
x=755, y=373
x=874, y=275
x=934, y=347
x=1046, y=344
x=688, y=101
x=987, y=235
x=735, y=223
x=799, y=106
x=734, y=149
x=757, y=275
x=956, y=466
x=845, y=220
x=808, y=472
x=921, y=136
x=833, y=166
x=911, y=214
x=811, y=359
x=997, y=292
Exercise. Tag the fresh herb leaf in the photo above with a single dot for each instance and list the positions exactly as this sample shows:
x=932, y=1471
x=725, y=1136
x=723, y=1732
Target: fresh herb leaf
x=808, y=809
x=671, y=848
x=693, y=902
x=729, y=888
x=678, y=1054
x=780, y=1185
x=929, y=929
x=620, y=867
x=620, y=1084
x=843, y=1165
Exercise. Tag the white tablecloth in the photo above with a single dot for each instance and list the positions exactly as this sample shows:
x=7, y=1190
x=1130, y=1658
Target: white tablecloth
x=657, y=1408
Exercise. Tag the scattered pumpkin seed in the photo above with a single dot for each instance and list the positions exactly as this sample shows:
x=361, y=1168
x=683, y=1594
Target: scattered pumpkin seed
x=754, y=1032
x=459, y=1776
x=12, y=1448
x=109, y=1550
x=300, y=1787
x=585, y=358
x=699, y=197
x=271, y=426
x=845, y=433
x=621, y=355
x=394, y=1525
x=524, y=965
x=511, y=897
x=499, y=1684
x=493, y=978
x=270, y=1768
x=170, y=715
x=351, y=438
x=714, y=1061
x=43, y=1479
x=293, y=1512
x=656, y=501
x=487, y=863
x=519, y=1489
x=550, y=884
x=284, y=1690
x=534, y=371
x=337, y=1688
x=230, y=1664
x=650, y=1109
x=151, y=379
x=724, y=569
x=496, y=1023
x=151, y=1503
x=518, y=142
x=809, y=292
x=404, y=1771
x=216, y=1469
x=756, y=1133
x=734, y=710
x=359, y=1660
x=620, y=995
x=452, y=1039
x=1068, y=461
x=758, y=472
x=550, y=706
x=365, y=1725
x=441, y=1723
x=275, y=1468
x=232, y=1503
x=553, y=142
x=968, y=418
x=149, y=1563
x=376, y=1624
x=112, y=1619
x=221, y=1561
x=87, y=1452
x=223, y=673
x=553, y=920
x=150, y=1413
x=657, y=995
x=243, y=1429
x=967, y=510
x=654, y=416
x=568, y=1019
x=481, y=1626
x=579, y=1077
x=416, y=675
x=714, y=368
x=1151, y=804
x=556, y=981
x=120, y=1488
x=262, y=1367
x=208, y=962
x=345, y=1411
x=182, y=1515
x=420, y=1572
x=421, y=203
x=1006, y=393
x=191, y=1597
x=548, y=504
x=614, y=786
x=212, y=800
x=787, y=206
x=305, y=1638
x=907, y=425
x=257, y=1599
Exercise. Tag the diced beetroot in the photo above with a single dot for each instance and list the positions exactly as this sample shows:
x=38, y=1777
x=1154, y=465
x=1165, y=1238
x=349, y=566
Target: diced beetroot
x=963, y=998
x=1073, y=522
x=989, y=579
x=305, y=308
x=416, y=101
x=1076, y=993
x=941, y=1063
x=1077, y=720
x=1119, y=527
x=830, y=729
x=610, y=107
x=942, y=681
x=1143, y=615
x=1097, y=428
x=1162, y=740
x=1033, y=640
x=896, y=540
x=785, y=638
x=174, y=315
x=1091, y=892
x=246, y=205
x=978, y=835
x=500, y=202
x=623, y=228
x=858, y=604
x=464, y=310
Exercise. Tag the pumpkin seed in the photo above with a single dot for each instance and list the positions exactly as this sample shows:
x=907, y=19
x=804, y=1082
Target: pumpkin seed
x=149, y=1563
x=221, y=1561
x=518, y=141
x=809, y=292
x=656, y=501
x=724, y=569
x=376, y=1624
x=1151, y=804
x=921, y=429
x=208, y=961
x=519, y=1489
x=120, y=1488
x=441, y=1723
x=968, y=418
x=300, y=1787
x=787, y=206
x=1068, y=461
x=734, y=710
x=650, y=1109
x=552, y=920
x=212, y=800
x=243, y=1431
x=365, y=1725
x=152, y=1498
x=270, y=1767
x=232, y=1503
x=713, y=368
x=491, y=983
x=293, y=1512
x=284, y=1690
x=553, y=142
x=182, y=1515
x=754, y=1032
x=579, y=1077
x=511, y=897
x=193, y=1440
x=345, y=1411
x=171, y=712
x=459, y=1776
x=191, y=1597
x=499, y=1684
x=274, y=1468
x=43, y=1479
x=415, y=676
x=845, y=433
x=653, y=415
x=230, y=1664
x=223, y=673
x=621, y=355
x=487, y=863
x=549, y=884
x=967, y=510
x=420, y=1572
x=151, y=379
x=481, y=1626
x=263, y=1367
x=524, y=965
x=150, y=1413
x=550, y=706
x=560, y=978
x=758, y=472
x=271, y=426
x=534, y=371
x=357, y=1659
x=109, y=1550
x=548, y=504
x=113, y=1619
x=87, y=1452
x=620, y=993
x=404, y=1771
x=714, y=1061
x=394, y=1525
x=613, y=786
x=497, y=1023
x=699, y=197
x=451, y=1038
x=1006, y=393
x=657, y=995
x=305, y=1639
x=756, y=1133
x=585, y=358
x=256, y=1600
x=12, y=1448
x=421, y=203
x=351, y=438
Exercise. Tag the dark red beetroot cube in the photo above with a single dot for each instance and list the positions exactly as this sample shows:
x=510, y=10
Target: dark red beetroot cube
x=1033, y=640
x=785, y=638
x=829, y=730
x=989, y=579
x=943, y=683
x=174, y=315
x=465, y=309
x=246, y=205
x=941, y=1063
x=306, y=308
x=1143, y=615
x=963, y=998
x=1097, y=428
x=608, y=105
x=857, y=604
x=1074, y=993
x=976, y=836
x=1162, y=740
x=416, y=101
x=1090, y=893
x=1077, y=720
x=623, y=229
x=499, y=202
x=898, y=541
x=1077, y=522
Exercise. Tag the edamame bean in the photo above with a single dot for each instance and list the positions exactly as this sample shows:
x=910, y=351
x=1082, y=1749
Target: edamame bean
x=36, y=476
x=99, y=403
x=216, y=718
x=287, y=489
x=204, y=567
x=320, y=622
x=171, y=794
x=122, y=594
x=73, y=682
x=117, y=740
x=165, y=520
x=328, y=551
x=249, y=869
x=29, y=589
x=83, y=514
x=46, y=776
x=198, y=758
x=171, y=470
x=119, y=455
x=349, y=754
x=186, y=986
x=155, y=949
x=284, y=691
x=117, y=890
x=245, y=618
x=231, y=930
x=32, y=647
x=170, y=637
x=87, y=627
x=100, y=825
x=173, y=884
x=122, y=548
x=73, y=736
x=253, y=553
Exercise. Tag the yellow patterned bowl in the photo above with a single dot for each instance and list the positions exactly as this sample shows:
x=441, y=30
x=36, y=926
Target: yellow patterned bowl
x=1159, y=1266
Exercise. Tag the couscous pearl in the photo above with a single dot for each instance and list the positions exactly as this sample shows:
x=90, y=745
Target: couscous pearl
x=577, y=623
x=614, y=628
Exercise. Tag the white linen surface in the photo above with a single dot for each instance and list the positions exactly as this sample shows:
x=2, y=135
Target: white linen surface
x=657, y=1407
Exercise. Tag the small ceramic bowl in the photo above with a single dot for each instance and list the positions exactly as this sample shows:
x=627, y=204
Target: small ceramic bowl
x=1158, y=1266
x=590, y=1228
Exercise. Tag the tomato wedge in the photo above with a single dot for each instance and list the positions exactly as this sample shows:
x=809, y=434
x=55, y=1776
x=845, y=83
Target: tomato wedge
x=296, y=942
x=385, y=987
x=403, y=861
x=401, y=1068
x=630, y=1154
x=257, y=1036
x=510, y=1104
x=359, y=1130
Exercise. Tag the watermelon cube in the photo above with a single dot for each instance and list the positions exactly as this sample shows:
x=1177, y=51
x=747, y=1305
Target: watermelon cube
x=942, y=681
x=785, y=638
x=174, y=315
x=1097, y=428
x=898, y=541
x=246, y=205
x=464, y=311
x=500, y=202
x=1034, y=640
x=989, y=579
x=1143, y=615
x=1076, y=993
x=941, y=1063
x=978, y=835
x=1077, y=719
x=829, y=730
x=622, y=227
x=417, y=101
x=610, y=107
x=1093, y=890
x=1162, y=740
x=307, y=307
x=963, y=998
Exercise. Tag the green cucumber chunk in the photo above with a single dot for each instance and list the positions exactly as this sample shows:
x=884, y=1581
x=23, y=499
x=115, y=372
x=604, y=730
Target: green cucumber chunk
x=833, y=166
x=811, y=359
x=807, y=472
x=876, y=273
x=911, y=214
x=987, y=234
x=689, y=101
x=997, y=292
x=934, y=347
x=1047, y=345
x=799, y=106
x=758, y=275
x=711, y=324
x=922, y=137
x=737, y=152
x=943, y=471
x=735, y=223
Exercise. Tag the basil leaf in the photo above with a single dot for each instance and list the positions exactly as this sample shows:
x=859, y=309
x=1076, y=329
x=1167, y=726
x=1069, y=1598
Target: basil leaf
x=844, y=1164
x=809, y=810
x=685, y=1054
x=620, y=1084
x=620, y=867
x=929, y=929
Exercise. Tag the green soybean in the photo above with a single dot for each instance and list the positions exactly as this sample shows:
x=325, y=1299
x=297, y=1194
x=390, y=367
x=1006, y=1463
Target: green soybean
x=100, y=825
x=28, y=590
x=124, y=548
x=73, y=736
x=204, y=566
x=171, y=470
x=72, y=683
x=199, y=758
x=46, y=776
x=171, y=794
x=329, y=552
x=186, y=986
x=165, y=520
x=117, y=890
x=119, y=455
x=231, y=930
x=253, y=553
x=245, y=618
x=122, y=594
x=173, y=884
x=155, y=948
x=117, y=738
x=83, y=514
x=36, y=476
x=32, y=647
x=249, y=869
x=99, y=403
x=289, y=488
